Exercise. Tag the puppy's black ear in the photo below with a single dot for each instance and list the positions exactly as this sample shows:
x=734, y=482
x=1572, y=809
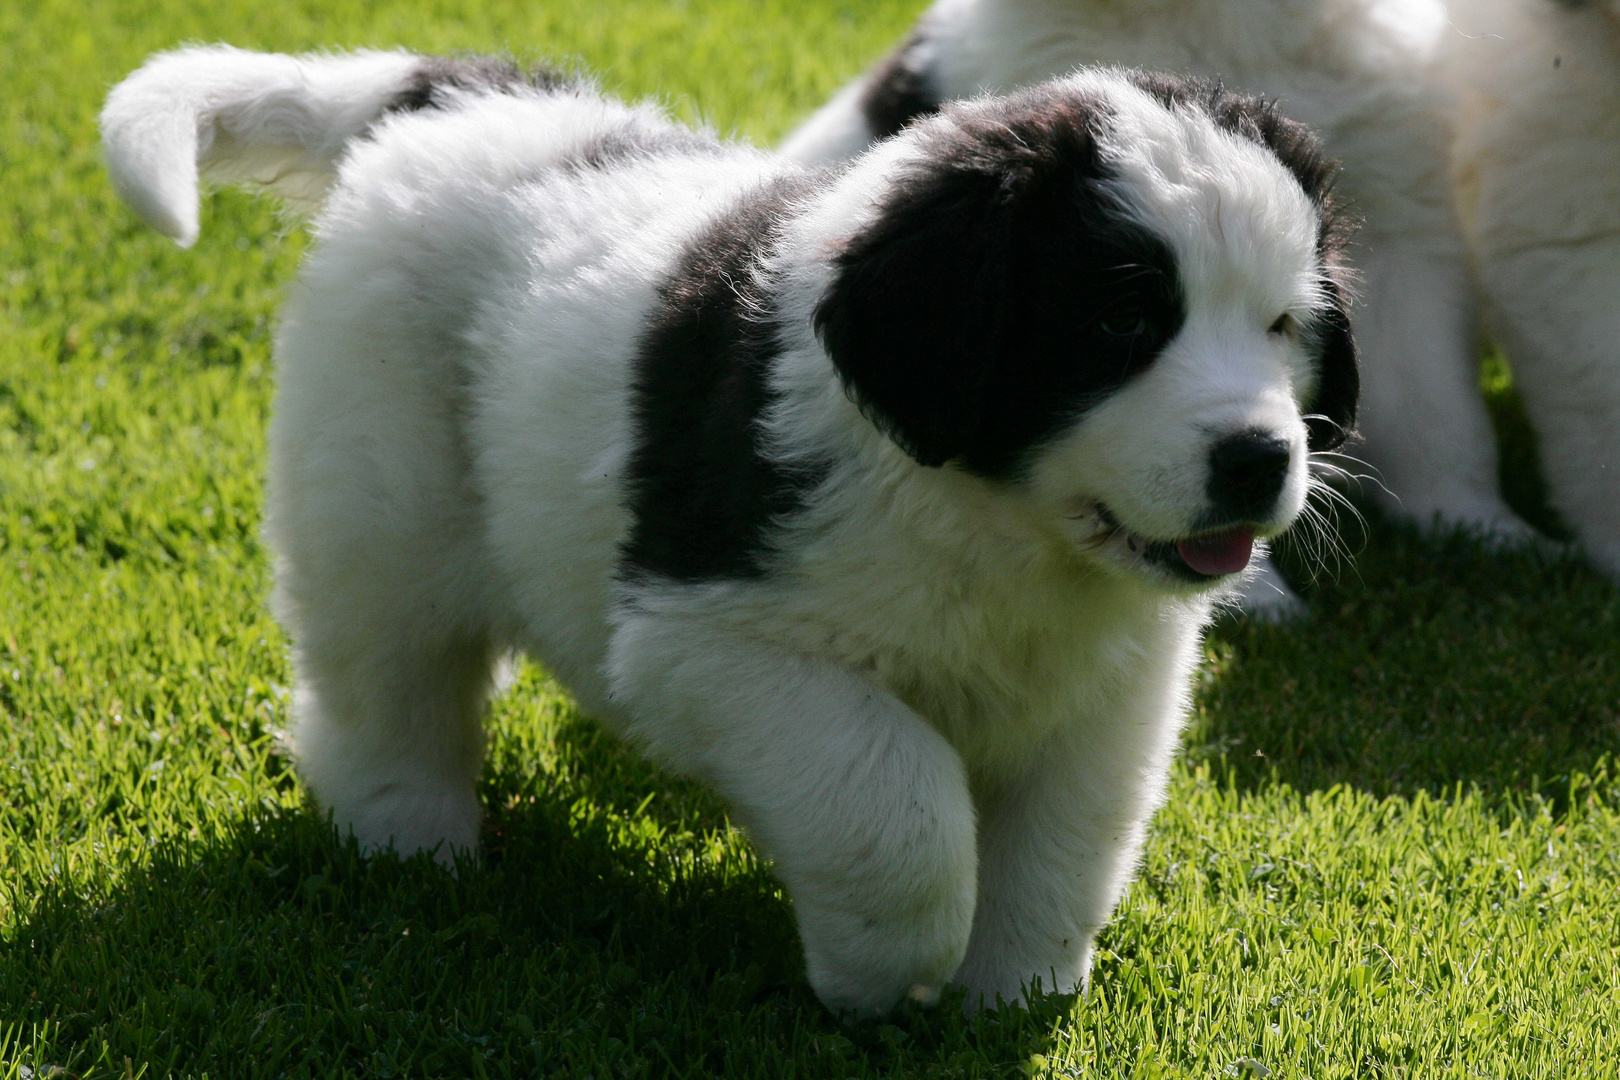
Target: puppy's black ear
x=1331, y=413
x=914, y=315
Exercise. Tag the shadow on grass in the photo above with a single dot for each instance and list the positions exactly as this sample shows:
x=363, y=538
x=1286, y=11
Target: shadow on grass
x=1427, y=663
x=588, y=942
x=613, y=927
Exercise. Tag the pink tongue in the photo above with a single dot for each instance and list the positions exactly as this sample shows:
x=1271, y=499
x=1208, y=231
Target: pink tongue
x=1223, y=553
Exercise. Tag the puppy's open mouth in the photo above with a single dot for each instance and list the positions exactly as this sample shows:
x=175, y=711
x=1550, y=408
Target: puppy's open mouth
x=1203, y=557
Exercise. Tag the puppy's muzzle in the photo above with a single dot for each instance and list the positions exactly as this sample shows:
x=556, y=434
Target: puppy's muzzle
x=1247, y=472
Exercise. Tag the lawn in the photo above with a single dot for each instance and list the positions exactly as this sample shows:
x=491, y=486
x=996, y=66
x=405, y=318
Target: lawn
x=1392, y=846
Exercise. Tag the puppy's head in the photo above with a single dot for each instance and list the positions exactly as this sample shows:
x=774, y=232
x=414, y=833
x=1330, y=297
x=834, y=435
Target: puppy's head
x=1118, y=296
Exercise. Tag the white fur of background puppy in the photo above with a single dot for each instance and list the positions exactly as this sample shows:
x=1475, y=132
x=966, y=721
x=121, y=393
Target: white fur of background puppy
x=890, y=500
x=1538, y=179
x=1363, y=73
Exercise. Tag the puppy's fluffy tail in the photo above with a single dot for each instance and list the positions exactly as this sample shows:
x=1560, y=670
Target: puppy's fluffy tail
x=233, y=116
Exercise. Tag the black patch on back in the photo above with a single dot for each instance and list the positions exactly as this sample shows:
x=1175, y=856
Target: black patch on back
x=1000, y=292
x=702, y=495
x=615, y=148
x=897, y=91
x=436, y=74
x=1332, y=411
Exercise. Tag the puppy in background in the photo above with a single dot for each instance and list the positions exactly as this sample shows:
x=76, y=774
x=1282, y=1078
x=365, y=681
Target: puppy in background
x=1363, y=72
x=1538, y=181
x=890, y=499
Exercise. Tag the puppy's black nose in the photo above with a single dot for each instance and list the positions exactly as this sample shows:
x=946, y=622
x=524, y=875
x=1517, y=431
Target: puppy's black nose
x=1246, y=474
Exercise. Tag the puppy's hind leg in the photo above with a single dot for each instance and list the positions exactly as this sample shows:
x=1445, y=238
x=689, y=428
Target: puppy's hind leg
x=388, y=739
x=863, y=807
x=379, y=586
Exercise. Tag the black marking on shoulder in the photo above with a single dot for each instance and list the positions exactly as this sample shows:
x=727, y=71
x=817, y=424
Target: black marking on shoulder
x=897, y=90
x=702, y=494
x=425, y=89
x=1332, y=411
x=1000, y=291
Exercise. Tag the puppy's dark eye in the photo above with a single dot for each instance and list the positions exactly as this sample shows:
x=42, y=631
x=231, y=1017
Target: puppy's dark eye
x=1124, y=322
x=1284, y=325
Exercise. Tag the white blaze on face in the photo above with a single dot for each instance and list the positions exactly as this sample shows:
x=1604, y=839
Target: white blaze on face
x=1244, y=237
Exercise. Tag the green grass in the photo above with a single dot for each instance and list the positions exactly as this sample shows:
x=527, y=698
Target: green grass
x=1392, y=847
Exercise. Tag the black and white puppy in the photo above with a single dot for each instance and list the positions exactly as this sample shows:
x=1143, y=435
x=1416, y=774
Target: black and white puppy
x=891, y=500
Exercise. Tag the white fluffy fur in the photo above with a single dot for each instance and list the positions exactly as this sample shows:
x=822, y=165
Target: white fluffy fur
x=947, y=720
x=294, y=115
x=1538, y=177
x=1363, y=73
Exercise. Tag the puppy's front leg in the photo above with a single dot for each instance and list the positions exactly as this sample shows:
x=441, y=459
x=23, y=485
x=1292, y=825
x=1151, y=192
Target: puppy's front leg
x=1428, y=435
x=863, y=807
x=1057, y=845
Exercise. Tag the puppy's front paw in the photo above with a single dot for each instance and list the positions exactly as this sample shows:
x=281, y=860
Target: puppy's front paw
x=993, y=981
x=867, y=963
x=411, y=820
